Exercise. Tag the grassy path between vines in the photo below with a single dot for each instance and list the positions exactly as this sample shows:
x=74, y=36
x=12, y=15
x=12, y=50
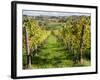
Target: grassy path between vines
x=51, y=55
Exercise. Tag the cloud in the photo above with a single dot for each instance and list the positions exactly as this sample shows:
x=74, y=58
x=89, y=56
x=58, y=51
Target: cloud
x=52, y=13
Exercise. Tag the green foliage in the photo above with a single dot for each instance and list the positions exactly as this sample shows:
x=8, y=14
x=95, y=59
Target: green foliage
x=71, y=34
x=36, y=35
x=57, y=42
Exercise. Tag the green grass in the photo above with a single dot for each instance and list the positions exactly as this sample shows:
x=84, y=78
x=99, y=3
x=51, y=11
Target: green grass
x=54, y=55
x=51, y=55
x=54, y=25
x=85, y=63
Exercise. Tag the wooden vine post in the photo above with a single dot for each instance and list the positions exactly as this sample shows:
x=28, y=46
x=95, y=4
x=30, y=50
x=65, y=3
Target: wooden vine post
x=27, y=49
x=81, y=44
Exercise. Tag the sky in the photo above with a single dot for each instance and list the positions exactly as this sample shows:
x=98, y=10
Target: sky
x=49, y=13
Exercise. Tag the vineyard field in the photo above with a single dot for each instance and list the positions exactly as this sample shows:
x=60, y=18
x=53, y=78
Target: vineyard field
x=56, y=41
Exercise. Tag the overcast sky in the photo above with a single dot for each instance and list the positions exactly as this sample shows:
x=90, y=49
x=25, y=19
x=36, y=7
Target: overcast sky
x=48, y=13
